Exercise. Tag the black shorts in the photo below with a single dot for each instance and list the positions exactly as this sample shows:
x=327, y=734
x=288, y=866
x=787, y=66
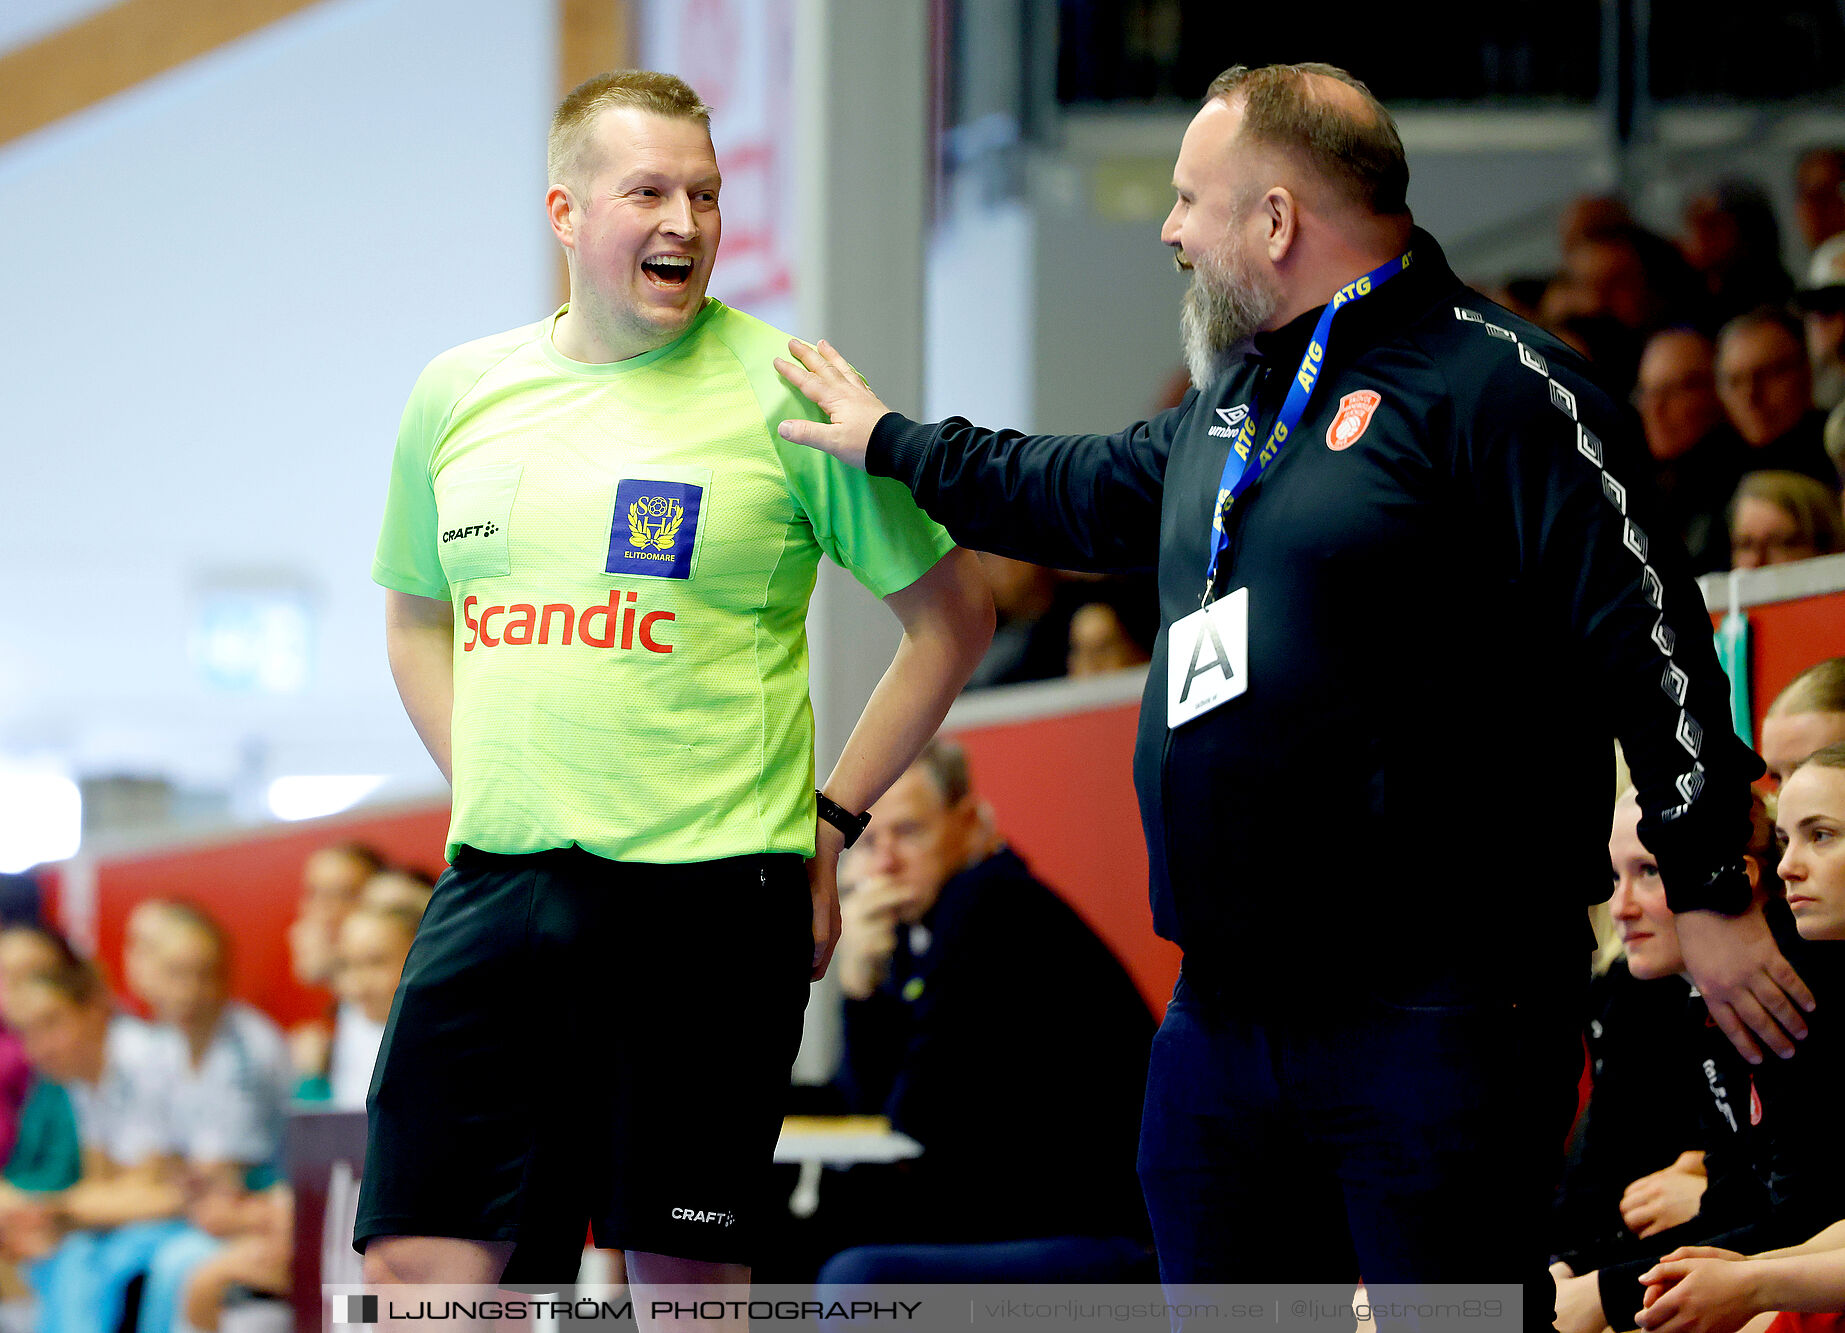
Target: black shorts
x=581, y=1042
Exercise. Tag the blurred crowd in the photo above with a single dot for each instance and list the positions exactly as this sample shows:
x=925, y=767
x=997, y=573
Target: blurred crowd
x=142, y=1129
x=1053, y=623
x=1733, y=356
x=1731, y=352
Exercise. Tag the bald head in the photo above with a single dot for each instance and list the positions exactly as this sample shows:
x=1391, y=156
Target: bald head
x=1327, y=124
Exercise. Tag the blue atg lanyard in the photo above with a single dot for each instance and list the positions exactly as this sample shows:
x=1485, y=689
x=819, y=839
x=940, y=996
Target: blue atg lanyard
x=1239, y=472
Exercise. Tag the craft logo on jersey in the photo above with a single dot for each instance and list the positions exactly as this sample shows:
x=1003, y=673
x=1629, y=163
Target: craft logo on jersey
x=1354, y=415
x=654, y=529
x=1231, y=417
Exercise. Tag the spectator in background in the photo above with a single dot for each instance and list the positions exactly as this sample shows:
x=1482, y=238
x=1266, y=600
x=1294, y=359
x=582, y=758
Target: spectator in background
x=980, y=1011
x=1618, y=286
x=1697, y=458
x=1032, y=631
x=84, y=1244
x=1732, y=239
x=228, y=1079
x=1638, y=1160
x=1806, y=716
x=1819, y=195
x=1781, y=1175
x=1112, y=628
x=1634, y=277
x=45, y=1153
x=1522, y=294
x=146, y=925
x=1716, y=1287
x=400, y=887
x=22, y=899
x=1822, y=311
x=1591, y=215
x=15, y=1087
x=1767, y=390
x=227, y=1063
x=1778, y=517
x=331, y=880
x=373, y=943
x=256, y=1258
x=1834, y=438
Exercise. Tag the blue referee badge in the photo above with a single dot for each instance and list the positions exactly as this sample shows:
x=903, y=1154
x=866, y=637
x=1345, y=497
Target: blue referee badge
x=654, y=530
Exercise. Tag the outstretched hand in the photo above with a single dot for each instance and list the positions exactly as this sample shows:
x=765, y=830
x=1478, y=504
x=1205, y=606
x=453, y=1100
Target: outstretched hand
x=1750, y=989
x=836, y=389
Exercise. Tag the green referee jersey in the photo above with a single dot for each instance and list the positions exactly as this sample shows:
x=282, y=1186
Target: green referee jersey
x=630, y=549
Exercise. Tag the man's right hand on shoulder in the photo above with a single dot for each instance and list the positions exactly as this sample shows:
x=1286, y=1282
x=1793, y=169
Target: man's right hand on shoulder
x=836, y=389
x=1752, y=991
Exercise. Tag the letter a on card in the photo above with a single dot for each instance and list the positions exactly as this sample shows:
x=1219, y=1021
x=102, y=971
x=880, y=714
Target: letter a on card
x=1207, y=658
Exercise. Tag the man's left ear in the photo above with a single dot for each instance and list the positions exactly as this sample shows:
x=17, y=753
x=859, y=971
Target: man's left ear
x=1283, y=222
x=558, y=207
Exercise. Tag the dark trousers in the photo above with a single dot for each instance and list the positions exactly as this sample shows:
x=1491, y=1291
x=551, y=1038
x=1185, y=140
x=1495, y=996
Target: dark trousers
x=1407, y=1144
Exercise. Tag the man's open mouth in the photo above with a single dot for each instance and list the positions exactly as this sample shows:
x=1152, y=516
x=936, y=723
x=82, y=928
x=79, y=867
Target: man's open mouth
x=669, y=271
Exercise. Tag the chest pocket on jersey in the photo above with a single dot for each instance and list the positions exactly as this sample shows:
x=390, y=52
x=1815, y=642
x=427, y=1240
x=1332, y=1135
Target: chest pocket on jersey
x=658, y=523
x=474, y=508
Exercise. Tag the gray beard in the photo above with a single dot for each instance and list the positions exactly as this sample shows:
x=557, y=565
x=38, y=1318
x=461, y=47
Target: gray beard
x=1219, y=316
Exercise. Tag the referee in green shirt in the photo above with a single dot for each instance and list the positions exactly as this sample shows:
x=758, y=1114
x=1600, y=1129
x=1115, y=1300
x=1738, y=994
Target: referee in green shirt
x=598, y=554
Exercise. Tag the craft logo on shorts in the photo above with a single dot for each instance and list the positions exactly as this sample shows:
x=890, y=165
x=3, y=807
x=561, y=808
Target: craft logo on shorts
x=654, y=529
x=1354, y=415
x=711, y=1216
x=348, y=1309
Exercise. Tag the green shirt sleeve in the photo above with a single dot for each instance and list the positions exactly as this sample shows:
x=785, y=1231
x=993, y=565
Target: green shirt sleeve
x=406, y=559
x=870, y=526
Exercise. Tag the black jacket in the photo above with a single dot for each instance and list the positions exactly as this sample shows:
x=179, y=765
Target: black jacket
x=1646, y=1058
x=1449, y=621
x=1011, y=1044
x=1777, y=1160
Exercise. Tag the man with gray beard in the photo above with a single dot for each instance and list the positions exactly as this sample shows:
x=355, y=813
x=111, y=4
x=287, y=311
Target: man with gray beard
x=1397, y=531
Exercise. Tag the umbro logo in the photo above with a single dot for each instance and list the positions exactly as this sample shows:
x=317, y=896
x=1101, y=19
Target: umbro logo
x=1231, y=417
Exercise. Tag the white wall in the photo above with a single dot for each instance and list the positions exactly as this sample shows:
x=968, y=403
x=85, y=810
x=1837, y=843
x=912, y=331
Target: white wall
x=217, y=290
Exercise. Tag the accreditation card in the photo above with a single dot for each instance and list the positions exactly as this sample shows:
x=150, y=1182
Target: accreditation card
x=1207, y=658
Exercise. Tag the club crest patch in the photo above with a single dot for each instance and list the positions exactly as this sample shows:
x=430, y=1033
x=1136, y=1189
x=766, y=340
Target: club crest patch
x=654, y=530
x=1353, y=416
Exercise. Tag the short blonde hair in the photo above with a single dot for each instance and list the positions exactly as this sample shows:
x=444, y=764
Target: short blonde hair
x=644, y=89
x=1813, y=507
x=1818, y=689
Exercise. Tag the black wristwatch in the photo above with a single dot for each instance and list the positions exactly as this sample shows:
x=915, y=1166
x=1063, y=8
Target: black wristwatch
x=1726, y=890
x=841, y=818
